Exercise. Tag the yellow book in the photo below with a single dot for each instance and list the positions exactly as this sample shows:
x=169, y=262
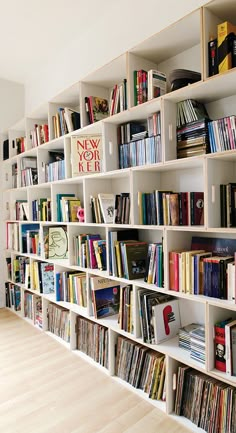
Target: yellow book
x=224, y=45
x=188, y=269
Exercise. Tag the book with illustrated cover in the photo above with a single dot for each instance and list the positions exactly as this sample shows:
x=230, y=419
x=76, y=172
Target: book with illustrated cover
x=86, y=154
x=47, y=277
x=107, y=205
x=166, y=319
x=105, y=296
x=97, y=108
x=55, y=242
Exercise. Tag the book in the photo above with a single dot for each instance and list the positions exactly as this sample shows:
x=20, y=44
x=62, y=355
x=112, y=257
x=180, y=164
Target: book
x=156, y=84
x=225, y=33
x=98, y=108
x=105, y=296
x=219, y=342
x=55, y=242
x=166, y=319
x=86, y=154
x=107, y=206
x=47, y=277
x=134, y=259
x=212, y=57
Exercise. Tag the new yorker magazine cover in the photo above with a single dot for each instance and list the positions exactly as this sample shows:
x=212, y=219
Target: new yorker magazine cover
x=86, y=154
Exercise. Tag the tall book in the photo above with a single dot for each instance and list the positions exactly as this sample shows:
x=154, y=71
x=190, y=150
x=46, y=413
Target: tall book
x=86, y=154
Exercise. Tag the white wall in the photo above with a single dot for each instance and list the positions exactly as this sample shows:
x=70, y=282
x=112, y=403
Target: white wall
x=121, y=24
x=12, y=103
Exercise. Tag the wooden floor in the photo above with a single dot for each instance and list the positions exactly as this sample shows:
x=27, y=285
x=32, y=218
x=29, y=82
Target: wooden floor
x=44, y=388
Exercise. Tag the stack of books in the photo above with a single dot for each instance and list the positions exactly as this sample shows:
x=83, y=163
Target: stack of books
x=192, y=129
x=198, y=344
x=184, y=336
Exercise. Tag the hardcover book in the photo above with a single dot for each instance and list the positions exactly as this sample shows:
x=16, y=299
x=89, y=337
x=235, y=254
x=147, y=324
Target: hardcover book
x=98, y=108
x=220, y=355
x=166, y=319
x=86, y=154
x=106, y=296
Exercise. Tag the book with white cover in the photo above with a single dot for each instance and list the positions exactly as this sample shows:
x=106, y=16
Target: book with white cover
x=107, y=206
x=166, y=320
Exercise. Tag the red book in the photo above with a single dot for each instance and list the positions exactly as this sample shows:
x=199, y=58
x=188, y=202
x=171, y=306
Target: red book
x=220, y=356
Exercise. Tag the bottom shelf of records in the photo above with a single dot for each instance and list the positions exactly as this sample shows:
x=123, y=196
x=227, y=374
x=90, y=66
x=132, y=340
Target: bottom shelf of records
x=154, y=342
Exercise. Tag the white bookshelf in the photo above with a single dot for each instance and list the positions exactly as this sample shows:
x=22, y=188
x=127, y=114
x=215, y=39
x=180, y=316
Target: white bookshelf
x=204, y=173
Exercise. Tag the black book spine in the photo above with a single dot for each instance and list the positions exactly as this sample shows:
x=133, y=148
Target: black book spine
x=212, y=57
x=223, y=206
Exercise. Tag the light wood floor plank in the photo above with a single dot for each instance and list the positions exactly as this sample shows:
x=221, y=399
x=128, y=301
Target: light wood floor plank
x=45, y=388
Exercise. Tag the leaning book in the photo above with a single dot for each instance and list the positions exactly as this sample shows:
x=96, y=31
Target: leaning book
x=86, y=154
x=105, y=296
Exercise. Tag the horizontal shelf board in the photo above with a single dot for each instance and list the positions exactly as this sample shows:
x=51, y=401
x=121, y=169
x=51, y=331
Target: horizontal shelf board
x=227, y=155
x=157, y=403
x=186, y=228
x=160, y=47
x=55, y=144
x=90, y=361
x=184, y=163
x=147, y=227
x=93, y=128
x=224, y=303
x=187, y=423
x=59, y=339
x=231, y=380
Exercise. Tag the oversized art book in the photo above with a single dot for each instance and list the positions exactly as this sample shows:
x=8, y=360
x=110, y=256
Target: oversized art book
x=86, y=154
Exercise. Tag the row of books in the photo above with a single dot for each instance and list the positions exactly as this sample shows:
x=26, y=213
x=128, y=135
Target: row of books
x=141, y=367
x=40, y=277
x=20, y=144
x=69, y=206
x=148, y=85
x=59, y=321
x=90, y=251
x=118, y=98
x=126, y=311
x=92, y=339
x=71, y=287
x=222, y=134
x=151, y=317
x=214, y=405
x=13, y=296
x=200, y=272
x=21, y=210
x=171, y=208
x=97, y=108
x=55, y=171
x=190, y=110
x=39, y=135
x=29, y=305
x=64, y=121
x=18, y=268
x=29, y=171
x=192, y=338
x=111, y=208
x=140, y=152
x=41, y=209
x=193, y=139
x=204, y=268
x=30, y=239
x=228, y=205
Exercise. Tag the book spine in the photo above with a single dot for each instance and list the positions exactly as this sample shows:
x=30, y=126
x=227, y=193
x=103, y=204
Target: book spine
x=212, y=57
